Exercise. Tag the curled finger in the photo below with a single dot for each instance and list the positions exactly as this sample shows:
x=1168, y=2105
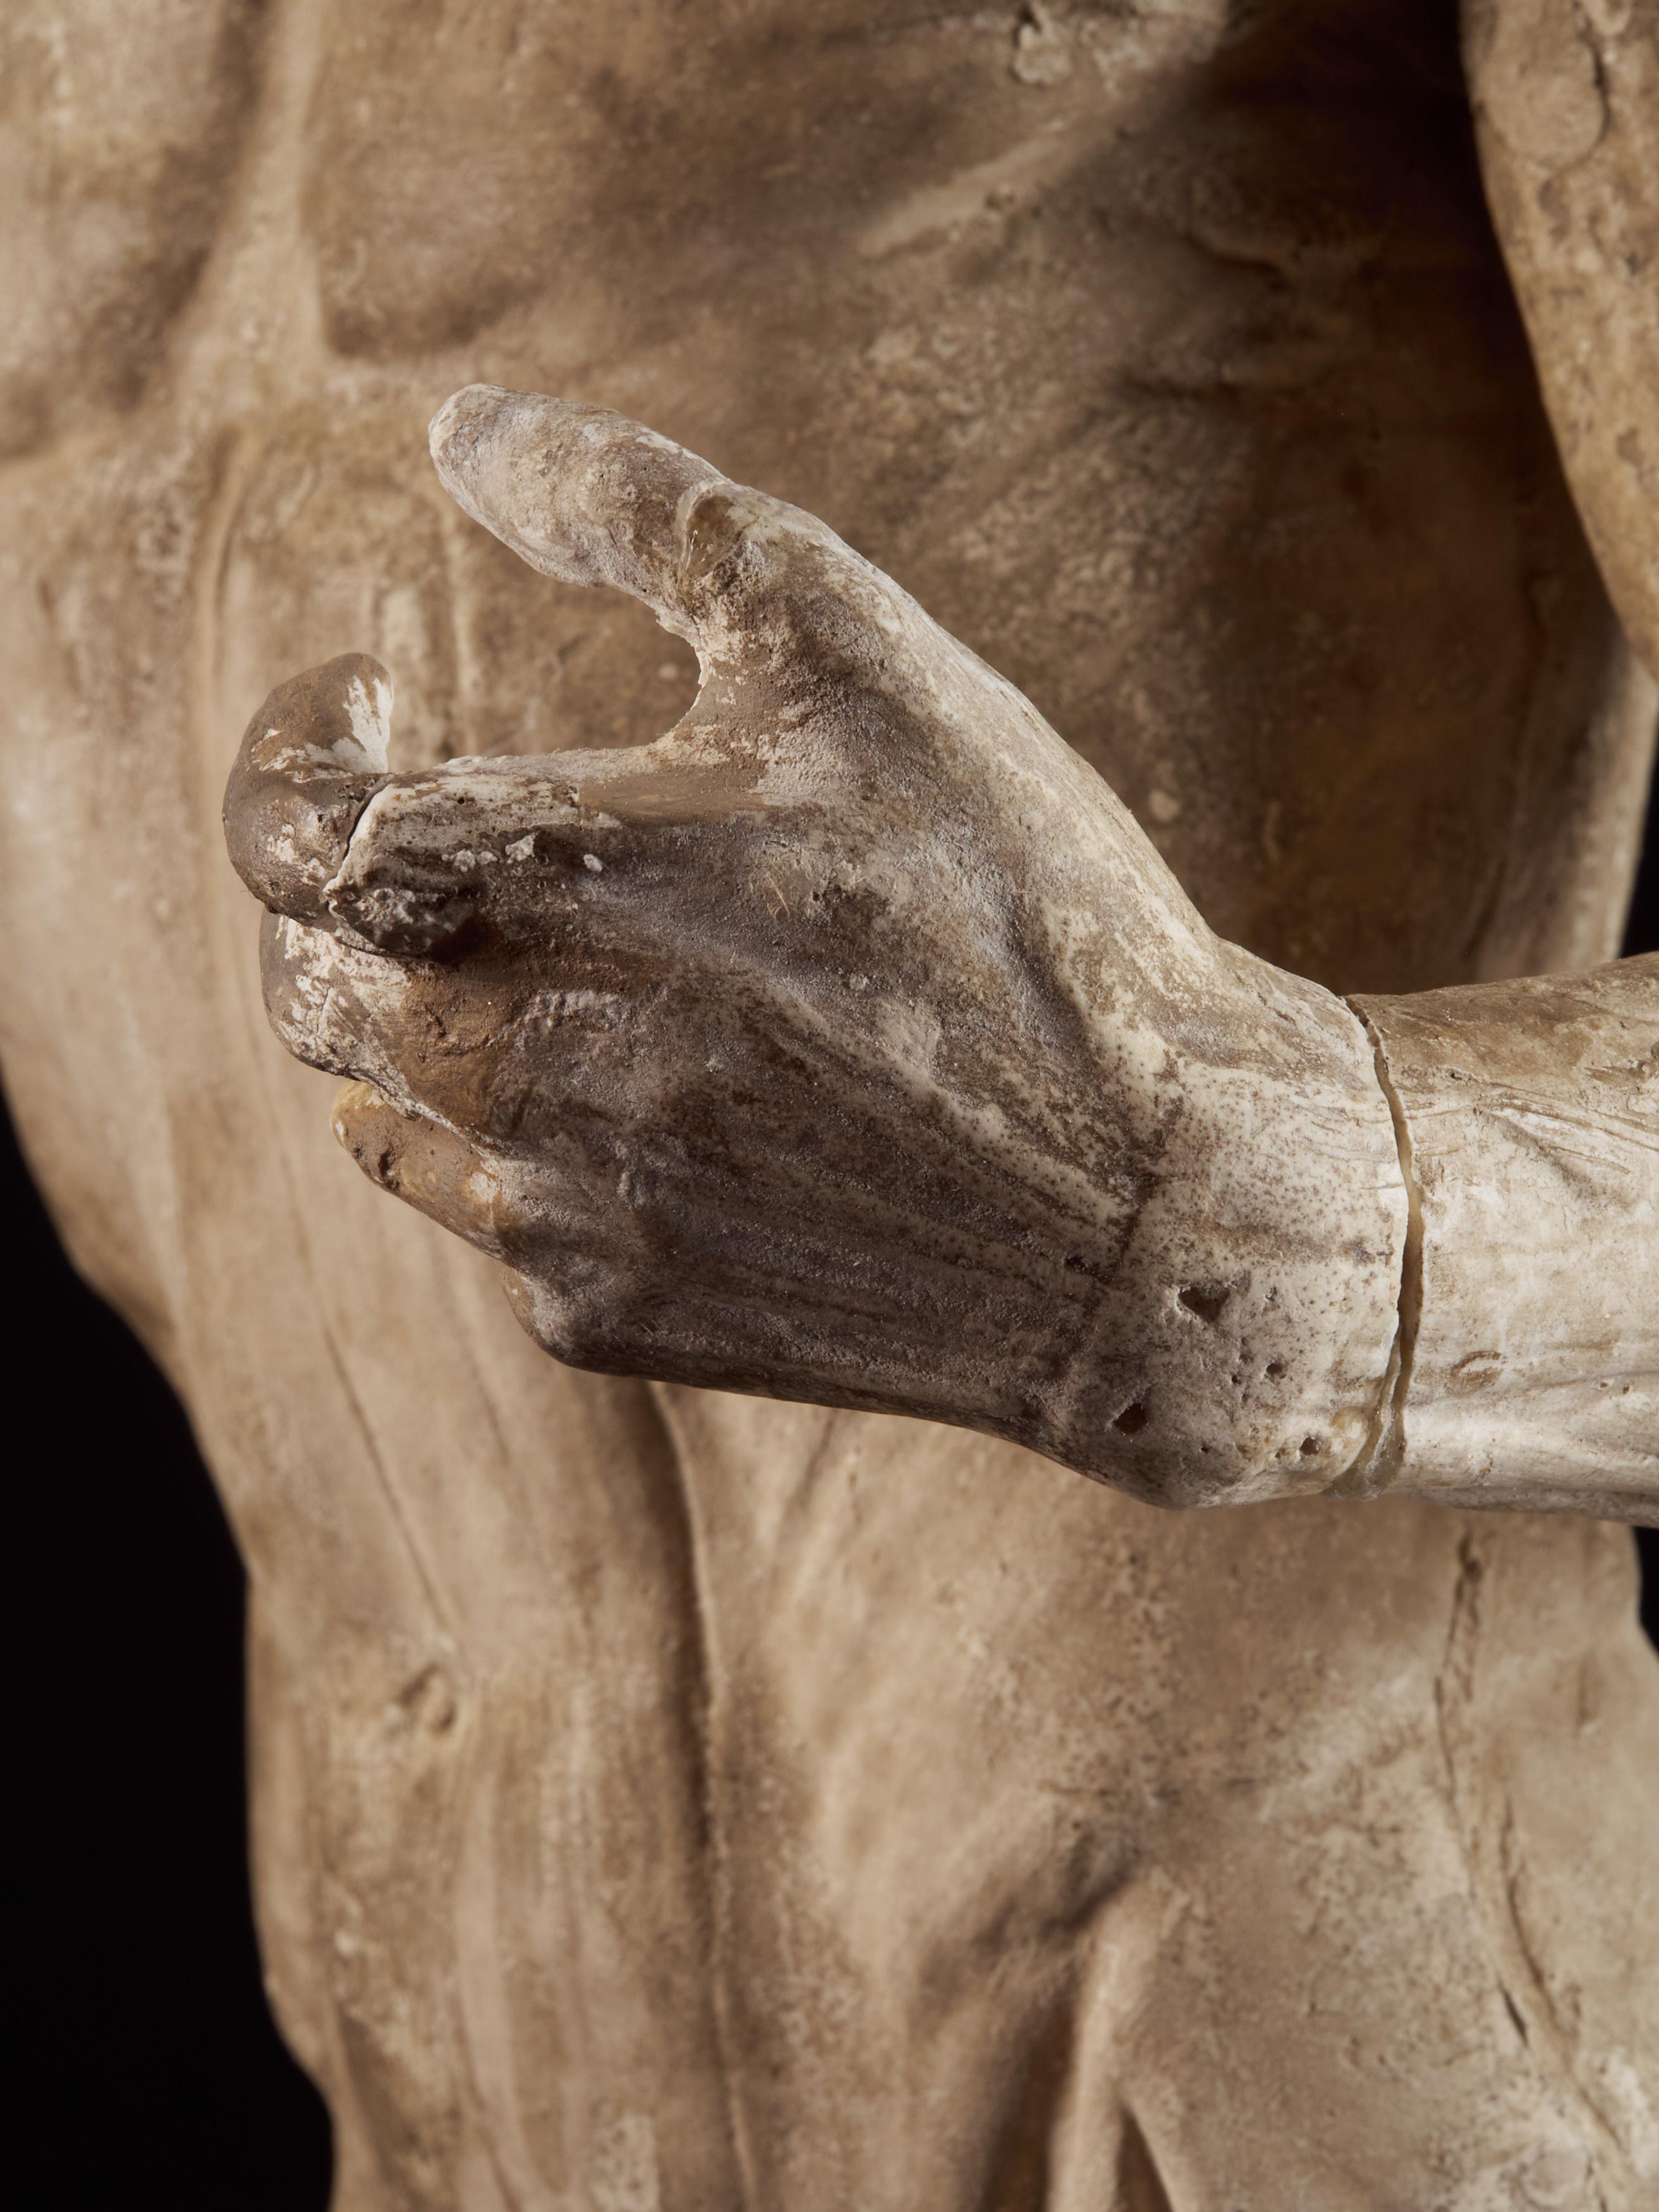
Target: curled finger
x=427, y=1165
x=313, y=757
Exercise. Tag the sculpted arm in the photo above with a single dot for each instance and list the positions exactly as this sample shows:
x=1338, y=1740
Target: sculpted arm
x=1565, y=99
x=1528, y=1117
x=851, y=1043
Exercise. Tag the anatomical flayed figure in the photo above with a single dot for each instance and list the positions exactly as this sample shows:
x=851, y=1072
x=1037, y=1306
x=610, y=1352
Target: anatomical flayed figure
x=1106, y=974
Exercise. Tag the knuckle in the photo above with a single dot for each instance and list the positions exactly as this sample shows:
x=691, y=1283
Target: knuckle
x=588, y=1320
x=714, y=520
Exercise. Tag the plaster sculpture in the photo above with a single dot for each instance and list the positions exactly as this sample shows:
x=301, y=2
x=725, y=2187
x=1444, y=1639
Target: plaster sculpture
x=671, y=1797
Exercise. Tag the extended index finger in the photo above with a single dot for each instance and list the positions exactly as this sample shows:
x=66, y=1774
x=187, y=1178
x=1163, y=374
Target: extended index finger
x=590, y=497
x=583, y=495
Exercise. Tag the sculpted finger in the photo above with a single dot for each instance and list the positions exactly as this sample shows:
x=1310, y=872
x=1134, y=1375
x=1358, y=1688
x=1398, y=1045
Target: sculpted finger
x=313, y=757
x=427, y=1165
x=590, y=497
x=582, y=850
x=336, y=1005
x=582, y=494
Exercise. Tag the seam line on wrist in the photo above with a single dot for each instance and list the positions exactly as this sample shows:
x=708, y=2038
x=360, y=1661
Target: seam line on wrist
x=1382, y=1462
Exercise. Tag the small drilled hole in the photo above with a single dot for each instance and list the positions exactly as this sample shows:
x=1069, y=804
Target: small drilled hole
x=1309, y=1446
x=1206, y=1304
x=1132, y=1419
x=1275, y=1368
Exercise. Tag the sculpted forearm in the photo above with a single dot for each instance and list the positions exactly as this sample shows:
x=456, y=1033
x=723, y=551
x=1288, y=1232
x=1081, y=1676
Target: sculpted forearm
x=1530, y=1120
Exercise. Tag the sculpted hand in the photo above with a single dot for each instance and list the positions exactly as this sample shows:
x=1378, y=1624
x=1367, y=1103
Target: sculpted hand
x=848, y=1044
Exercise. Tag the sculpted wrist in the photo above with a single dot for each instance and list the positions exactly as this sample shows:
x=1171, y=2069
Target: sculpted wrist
x=1243, y=1349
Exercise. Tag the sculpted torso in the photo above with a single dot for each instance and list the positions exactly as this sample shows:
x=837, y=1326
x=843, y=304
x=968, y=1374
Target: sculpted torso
x=667, y=1798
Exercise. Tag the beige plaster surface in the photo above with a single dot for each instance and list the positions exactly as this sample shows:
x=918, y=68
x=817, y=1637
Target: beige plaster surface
x=671, y=1798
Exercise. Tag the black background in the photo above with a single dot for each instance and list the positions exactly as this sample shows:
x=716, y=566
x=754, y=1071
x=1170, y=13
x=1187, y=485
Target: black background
x=159, y=2080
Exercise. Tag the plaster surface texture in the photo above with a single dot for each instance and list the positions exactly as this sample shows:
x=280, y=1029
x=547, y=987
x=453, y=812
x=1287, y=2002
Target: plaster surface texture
x=671, y=1798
